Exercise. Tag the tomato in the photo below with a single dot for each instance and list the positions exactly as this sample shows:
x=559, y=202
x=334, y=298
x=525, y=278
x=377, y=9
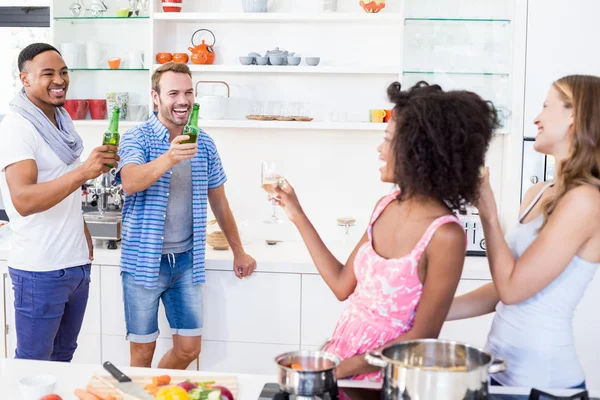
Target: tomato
x=51, y=397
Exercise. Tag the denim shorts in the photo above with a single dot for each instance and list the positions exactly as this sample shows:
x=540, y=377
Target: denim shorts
x=182, y=299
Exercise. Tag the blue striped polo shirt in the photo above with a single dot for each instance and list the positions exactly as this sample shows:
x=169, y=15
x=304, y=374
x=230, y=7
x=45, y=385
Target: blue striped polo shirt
x=144, y=212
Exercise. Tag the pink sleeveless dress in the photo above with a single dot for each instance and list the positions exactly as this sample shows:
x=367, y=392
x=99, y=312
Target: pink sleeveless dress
x=384, y=303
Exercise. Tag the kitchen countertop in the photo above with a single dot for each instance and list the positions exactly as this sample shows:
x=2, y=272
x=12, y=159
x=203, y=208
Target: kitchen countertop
x=285, y=257
x=73, y=376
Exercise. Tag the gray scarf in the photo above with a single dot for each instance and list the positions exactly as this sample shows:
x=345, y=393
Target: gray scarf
x=65, y=142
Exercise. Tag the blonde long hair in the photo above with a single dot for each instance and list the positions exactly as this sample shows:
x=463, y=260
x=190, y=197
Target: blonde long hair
x=581, y=93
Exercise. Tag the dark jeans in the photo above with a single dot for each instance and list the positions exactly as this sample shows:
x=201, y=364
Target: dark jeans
x=494, y=382
x=49, y=309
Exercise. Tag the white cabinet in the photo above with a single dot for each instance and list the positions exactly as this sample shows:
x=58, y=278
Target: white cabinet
x=89, y=349
x=92, y=323
x=237, y=357
x=472, y=331
x=320, y=311
x=263, y=308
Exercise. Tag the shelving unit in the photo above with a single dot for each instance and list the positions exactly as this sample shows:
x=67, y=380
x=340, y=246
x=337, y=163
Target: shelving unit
x=249, y=124
x=344, y=71
x=108, y=69
x=299, y=69
x=279, y=17
x=106, y=18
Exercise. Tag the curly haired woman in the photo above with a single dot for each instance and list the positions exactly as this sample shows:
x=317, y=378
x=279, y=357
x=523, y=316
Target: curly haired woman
x=542, y=268
x=401, y=277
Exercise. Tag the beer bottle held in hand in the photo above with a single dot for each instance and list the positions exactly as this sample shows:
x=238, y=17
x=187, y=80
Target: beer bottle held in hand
x=111, y=136
x=191, y=128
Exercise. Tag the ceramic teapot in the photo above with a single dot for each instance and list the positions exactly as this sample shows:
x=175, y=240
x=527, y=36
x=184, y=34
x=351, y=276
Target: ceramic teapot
x=279, y=53
x=203, y=53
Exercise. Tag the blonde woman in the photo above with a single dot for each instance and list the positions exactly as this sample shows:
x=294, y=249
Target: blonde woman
x=542, y=268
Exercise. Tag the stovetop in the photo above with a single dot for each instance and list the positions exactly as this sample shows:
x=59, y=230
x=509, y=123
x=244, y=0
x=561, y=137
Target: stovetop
x=271, y=392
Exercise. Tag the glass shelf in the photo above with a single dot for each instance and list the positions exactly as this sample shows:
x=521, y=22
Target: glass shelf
x=108, y=69
x=486, y=20
x=97, y=18
x=455, y=73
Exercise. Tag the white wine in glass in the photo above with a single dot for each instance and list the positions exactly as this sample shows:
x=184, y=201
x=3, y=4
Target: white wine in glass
x=271, y=177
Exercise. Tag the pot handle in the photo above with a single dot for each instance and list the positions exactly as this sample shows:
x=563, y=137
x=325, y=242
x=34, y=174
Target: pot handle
x=200, y=30
x=375, y=359
x=498, y=365
x=224, y=83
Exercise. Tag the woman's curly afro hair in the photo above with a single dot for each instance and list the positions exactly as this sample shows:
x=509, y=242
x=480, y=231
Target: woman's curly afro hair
x=440, y=142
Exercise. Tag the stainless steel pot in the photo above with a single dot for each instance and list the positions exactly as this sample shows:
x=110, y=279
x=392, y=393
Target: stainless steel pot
x=432, y=369
x=316, y=376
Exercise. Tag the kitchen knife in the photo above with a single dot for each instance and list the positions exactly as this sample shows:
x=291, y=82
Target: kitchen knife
x=125, y=384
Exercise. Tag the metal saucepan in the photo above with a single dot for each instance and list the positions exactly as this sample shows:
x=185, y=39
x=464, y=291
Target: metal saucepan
x=307, y=373
x=432, y=369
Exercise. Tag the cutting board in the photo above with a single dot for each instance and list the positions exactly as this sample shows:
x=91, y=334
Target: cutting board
x=107, y=384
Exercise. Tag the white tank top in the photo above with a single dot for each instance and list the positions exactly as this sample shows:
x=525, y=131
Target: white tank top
x=535, y=337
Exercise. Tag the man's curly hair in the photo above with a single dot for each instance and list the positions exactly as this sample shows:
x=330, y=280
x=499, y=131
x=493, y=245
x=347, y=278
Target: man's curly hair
x=440, y=142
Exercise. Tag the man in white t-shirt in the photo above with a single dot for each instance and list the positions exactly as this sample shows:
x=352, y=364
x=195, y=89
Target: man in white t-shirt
x=40, y=180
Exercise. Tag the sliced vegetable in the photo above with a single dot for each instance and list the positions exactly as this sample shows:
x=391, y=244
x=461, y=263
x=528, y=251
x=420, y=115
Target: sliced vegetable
x=172, y=393
x=214, y=395
x=206, y=384
x=99, y=394
x=297, y=367
x=225, y=393
x=187, y=385
x=84, y=395
x=204, y=394
x=152, y=389
x=161, y=380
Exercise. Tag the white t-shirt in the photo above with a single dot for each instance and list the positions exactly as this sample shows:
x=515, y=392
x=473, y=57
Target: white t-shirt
x=52, y=239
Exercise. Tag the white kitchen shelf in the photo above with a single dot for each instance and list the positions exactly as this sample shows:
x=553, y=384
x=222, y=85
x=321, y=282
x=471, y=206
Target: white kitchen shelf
x=280, y=17
x=312, y=125
x=250, y=124
x=300, y=69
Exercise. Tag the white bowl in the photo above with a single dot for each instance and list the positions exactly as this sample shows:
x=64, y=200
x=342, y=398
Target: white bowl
x=37, y=386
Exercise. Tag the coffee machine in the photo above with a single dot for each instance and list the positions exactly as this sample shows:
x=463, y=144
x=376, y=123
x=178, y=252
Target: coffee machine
x=107, y=198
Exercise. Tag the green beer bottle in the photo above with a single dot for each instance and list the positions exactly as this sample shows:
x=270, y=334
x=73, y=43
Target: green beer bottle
x=191, y=128
x=111, y=136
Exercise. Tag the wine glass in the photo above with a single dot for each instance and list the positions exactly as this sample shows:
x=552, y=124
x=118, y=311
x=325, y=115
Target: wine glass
x=272, y=176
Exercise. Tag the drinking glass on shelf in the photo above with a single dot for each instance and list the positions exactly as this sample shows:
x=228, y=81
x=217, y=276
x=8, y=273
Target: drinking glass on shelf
x=258, y=109
x=271, y=176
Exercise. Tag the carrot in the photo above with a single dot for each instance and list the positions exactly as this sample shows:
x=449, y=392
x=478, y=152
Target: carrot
x=99, y=394
x=297, y=367
x=152, y=389
x=161, y=380
x=83, y=395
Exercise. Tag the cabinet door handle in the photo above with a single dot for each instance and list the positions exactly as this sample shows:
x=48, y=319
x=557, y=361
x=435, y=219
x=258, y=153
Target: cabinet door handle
x=534, y=179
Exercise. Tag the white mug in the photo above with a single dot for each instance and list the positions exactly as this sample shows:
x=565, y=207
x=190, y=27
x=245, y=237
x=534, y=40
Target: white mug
x=72, y=54
x=96, y=53
x=135, y=60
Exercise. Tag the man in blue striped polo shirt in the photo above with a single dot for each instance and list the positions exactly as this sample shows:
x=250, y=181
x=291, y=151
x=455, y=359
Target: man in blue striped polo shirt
x=168, y=186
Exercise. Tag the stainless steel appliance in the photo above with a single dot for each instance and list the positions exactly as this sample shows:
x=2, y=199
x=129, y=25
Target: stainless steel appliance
x=474, y=231
x=107, y=197
x=432, y=369
x=537, y=167
x=271, y=391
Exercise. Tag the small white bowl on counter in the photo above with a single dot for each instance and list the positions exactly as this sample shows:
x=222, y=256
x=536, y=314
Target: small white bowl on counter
x=37, y=386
